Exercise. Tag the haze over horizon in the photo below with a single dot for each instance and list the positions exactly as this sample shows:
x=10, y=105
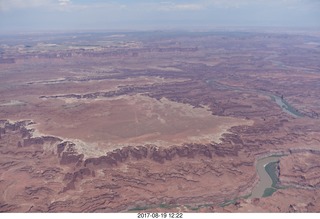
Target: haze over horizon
x=49, y=15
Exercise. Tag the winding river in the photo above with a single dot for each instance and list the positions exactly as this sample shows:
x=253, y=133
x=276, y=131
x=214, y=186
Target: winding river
x=286, y=107
x=266, y=167
x=265, y=180
x=282, y=103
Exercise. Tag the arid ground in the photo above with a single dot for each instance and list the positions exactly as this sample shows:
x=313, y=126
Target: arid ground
x=160, y=121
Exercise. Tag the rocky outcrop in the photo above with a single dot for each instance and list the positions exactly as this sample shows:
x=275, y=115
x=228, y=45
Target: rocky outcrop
x=73, y=177
x=25, y=133
x=66, y=146
x=4, y=207
x=303, y=150
x=40, y=141
x=68, y=154
x=33, y=141
x=70, y=158
x=301, y=169
x=154, y=153
x=19, y=126
x=34, y=191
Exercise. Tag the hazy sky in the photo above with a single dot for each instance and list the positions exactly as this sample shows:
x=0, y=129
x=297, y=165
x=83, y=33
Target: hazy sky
x=23, y=15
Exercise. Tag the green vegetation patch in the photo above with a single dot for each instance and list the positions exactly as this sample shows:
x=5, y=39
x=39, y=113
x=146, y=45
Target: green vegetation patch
x=229, y=202
x=271, y=169
x=268, y=192
x=167, y=206
x=246, y=196
x=142, y=208
x=138, y=208
x=193, y=208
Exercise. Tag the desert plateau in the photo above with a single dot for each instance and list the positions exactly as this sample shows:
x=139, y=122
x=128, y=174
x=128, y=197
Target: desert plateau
x=160, y=121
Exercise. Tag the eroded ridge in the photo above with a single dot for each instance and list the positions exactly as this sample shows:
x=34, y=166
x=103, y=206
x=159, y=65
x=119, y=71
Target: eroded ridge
x=53, y=169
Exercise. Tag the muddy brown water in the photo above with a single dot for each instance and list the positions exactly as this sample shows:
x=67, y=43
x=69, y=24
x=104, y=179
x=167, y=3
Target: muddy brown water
x=265, y=180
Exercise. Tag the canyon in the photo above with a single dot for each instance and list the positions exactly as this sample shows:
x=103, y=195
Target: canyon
x=159, y=122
